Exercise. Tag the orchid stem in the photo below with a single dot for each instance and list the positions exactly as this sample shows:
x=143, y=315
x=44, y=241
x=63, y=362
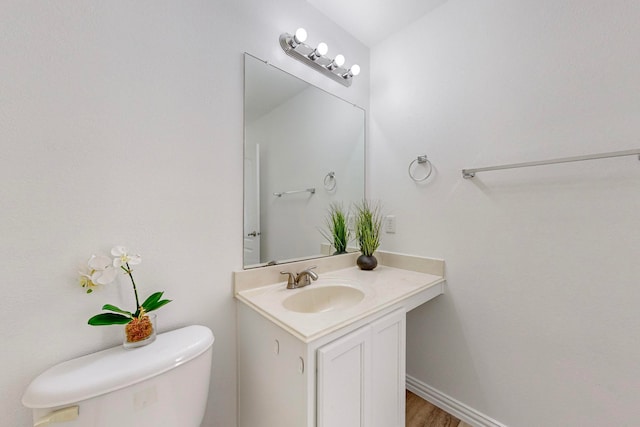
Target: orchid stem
x=133, y=282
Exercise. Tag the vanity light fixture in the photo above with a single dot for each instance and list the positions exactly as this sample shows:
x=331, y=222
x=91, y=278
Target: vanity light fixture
x=294, y=46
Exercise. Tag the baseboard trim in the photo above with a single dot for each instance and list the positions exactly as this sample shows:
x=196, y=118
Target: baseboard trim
x=451, y=405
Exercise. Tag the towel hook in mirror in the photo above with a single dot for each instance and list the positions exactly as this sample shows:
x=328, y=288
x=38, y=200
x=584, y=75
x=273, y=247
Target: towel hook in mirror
x=330, y=181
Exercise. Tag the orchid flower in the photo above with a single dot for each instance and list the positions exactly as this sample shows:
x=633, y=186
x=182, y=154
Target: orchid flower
x=123, y=257
x=100, y=272
x=103, y=270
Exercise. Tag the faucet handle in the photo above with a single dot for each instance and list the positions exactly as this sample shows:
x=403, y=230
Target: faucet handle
x=291, y=281
x=313, y=274
x=305, y=276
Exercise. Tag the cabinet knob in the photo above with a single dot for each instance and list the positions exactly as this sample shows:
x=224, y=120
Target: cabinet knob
x=276, y=347
x=301, y=365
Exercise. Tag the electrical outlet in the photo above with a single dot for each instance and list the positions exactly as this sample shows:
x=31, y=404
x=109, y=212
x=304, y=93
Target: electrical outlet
x=390, y=224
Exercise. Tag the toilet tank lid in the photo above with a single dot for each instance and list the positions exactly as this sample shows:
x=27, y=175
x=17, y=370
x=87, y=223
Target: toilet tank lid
x=115, y=368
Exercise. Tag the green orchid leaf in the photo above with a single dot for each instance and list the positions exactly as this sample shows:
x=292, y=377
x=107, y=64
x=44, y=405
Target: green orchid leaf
x=154, y=302
x=103, y=319
x=156, y=305
x=110, y=307
x=153, y=298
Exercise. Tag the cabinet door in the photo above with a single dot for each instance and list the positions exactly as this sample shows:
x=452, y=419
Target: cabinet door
x=388, y=370
x=344, y=375
x=272, y=378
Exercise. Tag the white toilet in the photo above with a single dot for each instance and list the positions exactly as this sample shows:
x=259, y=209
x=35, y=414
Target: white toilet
x=165, y=383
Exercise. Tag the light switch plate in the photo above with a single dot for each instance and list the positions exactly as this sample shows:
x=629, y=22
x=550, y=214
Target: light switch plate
x=390, y=224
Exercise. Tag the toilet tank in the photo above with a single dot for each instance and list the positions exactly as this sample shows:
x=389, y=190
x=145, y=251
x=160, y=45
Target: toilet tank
x=165, y=383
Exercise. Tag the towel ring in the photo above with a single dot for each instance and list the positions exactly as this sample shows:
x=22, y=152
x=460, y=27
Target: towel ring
x=421, y=160
x=330, y=181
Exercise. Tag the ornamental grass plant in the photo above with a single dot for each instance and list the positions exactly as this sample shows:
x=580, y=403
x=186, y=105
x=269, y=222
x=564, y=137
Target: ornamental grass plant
x=368, y=223
x=337, y=230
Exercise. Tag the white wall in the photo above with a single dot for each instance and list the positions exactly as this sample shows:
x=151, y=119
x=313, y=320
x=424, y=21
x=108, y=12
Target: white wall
x=539, y=326
x=121, y=123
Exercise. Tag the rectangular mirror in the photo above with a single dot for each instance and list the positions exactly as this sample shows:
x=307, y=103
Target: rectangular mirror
x=304, y=149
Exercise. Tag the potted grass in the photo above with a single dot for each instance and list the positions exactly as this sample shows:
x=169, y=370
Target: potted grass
x=368, y=223
x=337, y=230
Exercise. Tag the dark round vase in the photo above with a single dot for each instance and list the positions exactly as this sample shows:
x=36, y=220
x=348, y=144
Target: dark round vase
x=367, y=262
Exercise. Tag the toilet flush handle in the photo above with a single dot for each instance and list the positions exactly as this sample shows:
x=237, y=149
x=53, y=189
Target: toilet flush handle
x=61, y=415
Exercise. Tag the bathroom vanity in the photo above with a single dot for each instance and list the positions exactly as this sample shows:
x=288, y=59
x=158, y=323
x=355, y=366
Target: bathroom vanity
x=330, y=354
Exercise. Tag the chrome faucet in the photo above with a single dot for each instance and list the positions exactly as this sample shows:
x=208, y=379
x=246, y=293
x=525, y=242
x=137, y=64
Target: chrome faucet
x=301, y=279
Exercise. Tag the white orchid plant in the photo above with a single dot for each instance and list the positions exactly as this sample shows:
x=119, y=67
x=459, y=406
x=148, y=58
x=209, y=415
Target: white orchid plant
x=102, y=271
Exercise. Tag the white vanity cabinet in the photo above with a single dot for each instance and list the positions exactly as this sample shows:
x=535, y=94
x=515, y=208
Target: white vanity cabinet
x=353, y=377
x=332, y=361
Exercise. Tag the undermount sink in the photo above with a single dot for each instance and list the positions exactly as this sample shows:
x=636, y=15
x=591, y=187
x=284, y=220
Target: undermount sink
x=325, y=298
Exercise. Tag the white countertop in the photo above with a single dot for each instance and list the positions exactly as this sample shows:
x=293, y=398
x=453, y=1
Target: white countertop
x=382, y=287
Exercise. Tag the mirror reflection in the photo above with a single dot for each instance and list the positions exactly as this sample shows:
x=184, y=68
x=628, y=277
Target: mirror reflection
x=303, y=150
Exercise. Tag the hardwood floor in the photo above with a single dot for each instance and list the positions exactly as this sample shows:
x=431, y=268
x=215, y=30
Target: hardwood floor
x=420, y=413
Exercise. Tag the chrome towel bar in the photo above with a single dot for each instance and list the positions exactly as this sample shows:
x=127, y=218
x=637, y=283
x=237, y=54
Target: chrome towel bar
x=471, y=173
x=308, y=190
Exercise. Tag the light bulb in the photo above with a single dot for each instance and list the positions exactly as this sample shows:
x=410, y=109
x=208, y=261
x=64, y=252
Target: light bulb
x=300, y=36
x=353, y=71
x=322, y=49
x=338, y=61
